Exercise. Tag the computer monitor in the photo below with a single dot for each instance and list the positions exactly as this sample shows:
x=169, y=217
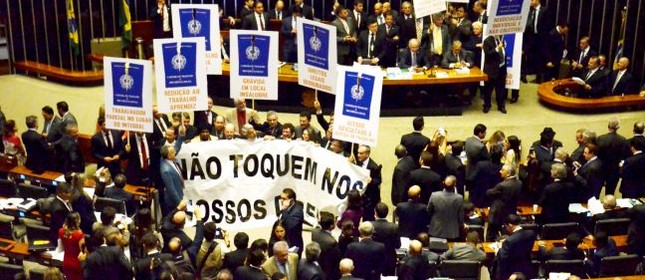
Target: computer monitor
x=31, y=191
x=7, y=188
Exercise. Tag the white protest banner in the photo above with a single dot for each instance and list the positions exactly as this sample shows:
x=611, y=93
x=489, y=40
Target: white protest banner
x=358, y=104
x=458, y=1
x=180, y=73
x=237, y=183
x=513, y=51
x=254, y=64
x=316, y=55
x=428, y=7
x=507, y=16
x=128, y=94
x=200, y=20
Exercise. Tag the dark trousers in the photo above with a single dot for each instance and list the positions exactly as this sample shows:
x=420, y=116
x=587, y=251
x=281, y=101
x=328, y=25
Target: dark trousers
x=499, y=84
x=611, y=180
x=551, y=73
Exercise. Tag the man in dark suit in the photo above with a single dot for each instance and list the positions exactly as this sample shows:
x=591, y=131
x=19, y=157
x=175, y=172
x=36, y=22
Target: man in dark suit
x=415, y=142
x=633, y=181
x=51, y=126
x=414, y=265
x=345, y=36
x=515, y=253
x=292, y=216
x=142, y=268
x=455, y=167
x=346, y=267
x=378, y=16
x=60, y=207
x=36, y=146
x=372, y=194
x=246, y=10
x=446, y=211
x=595, y=82
x=235, y=259
x=66, y=117
x=258, y=20
x=253, y=269
x=533, y=40
x=108, y=261
x=162, y=19
x=610, y=211
x=412, y=215
x=485, y=176
x=495, y=68
x=330, y=255
x=407, y=25
x=413, y=57
x=391, y=47
x=591, y=172
x=107, y=148
x=480, y=14
x=138, y=154
x=557, y=196
x=475, y=148
x=371, y=45
x=460, y=26
x=159, y=126
x=547, y=145
x=206, y=117
x=457, y=58
x=70, y=155
x=388, y=234
x=118, y=192
x=308, y=268
x=580, y=58
x=278, y=11
x=289, y=33
x=359, y=16
x=401, y=176
x=436, y=39
x=620, y=81
x=306, y=10
x=570, y=250
x=504, y=196
x=271, y=127
x=367, y=254
x=612, y=149
x=426, y=178
x=553, y=49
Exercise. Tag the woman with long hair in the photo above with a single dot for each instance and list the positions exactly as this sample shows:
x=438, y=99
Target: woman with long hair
x=354, y=210
x=277, y=234
x=82, y=202
x=73, y=242
x=12, y=144
x=512, y=147
x=143, y=224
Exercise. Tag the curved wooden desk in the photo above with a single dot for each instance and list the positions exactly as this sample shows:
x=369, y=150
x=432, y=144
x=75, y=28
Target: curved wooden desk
x=287, y=74
x=548, y=93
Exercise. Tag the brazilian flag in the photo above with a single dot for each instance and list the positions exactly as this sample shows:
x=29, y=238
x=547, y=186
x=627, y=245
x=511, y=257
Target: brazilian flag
x=72, y=28
x=125, y=23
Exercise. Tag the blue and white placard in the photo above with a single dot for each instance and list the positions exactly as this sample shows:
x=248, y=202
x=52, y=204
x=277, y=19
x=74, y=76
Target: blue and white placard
x=128, y=94
x=507, y=16
x=316, y=55
x=358, y=104
x=200, y=20
x=513, y=51
x=254, y=64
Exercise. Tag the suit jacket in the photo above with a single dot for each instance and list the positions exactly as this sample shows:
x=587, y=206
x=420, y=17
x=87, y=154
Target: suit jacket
x=455, y=167
x=415, y=142
x=561, y=253
x=427, y=179
x=67, y=119
x=350, y=277
x=413, y=268
x=157, y=19
x=465, y=252
x=484, y=177
x=379, y=44
x=475, y=151
x=407, y=30
x=269, y=267
x=360, y=26
x=555, y=202
x=174, y=183
x=575, y=56
x=612, y=148
x=449, y=58
x=388, y=234
x=134, y=170
x=54, y=132
x=157, y=132
x=544, y=154
x=107, y=262
x=142, y=266
x=372, y=193
x=231, y=117
x=70, y=155
x=633, y=183
x=292, y=219
x=273, y=14
x=59, y=213
x=235, y=259
x=330, y=254
x=515, y=254
x=553, y=47
x=310, y=271
x=37, y=151
x=250, y=21
x=624, y=86
x=306, y=11
x=504, y=196
x=462, y=31
x=121, y=194
x=446, y=214
x=391, y=46
x=405, y=59
x=344, y=48
x=597, y=81
x=266, y=130
x=401, y=179
x=289, y=45
x=492, y=59
x=249, y=273
x=413, y=218
x=592, y=173
x=368, y=256
x=202, y=118
x=100, y=150
x=427, y=41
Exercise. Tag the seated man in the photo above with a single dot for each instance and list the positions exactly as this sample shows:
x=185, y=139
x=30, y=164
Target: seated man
x=457, y=58
x=570, y=250
x=595, y=80
x=117, y=192
x=413, y=57
x=469, y=251
x=611, y=211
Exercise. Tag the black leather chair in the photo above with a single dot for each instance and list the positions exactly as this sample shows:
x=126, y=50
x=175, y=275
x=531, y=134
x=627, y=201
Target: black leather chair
x=558, y=230
x=575, y=267
x=36, y=274
x=531, y=226
x=478, y=229
x=8, y=188
x=618, y=265
x=37, y=232
x=613, y=227
x=9, y=271
x=460, y=269
x=101, y=202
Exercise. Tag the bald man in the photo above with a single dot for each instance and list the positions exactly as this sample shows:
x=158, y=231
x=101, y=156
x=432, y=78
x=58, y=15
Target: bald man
x=412, y=215
x=172, y=229
x=611, y=211
x=278, y=11
x=401, y=176
x=413, y=57
x=346, y=267
x=446, y=211
x=414, y=265
x=620, y=81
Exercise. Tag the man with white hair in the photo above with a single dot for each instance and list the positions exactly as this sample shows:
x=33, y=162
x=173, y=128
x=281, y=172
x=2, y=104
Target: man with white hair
x=620, y=82
x=504, y=198
x=612, y=148
x=282, y=261
x=346, y=267
x=367, y=253
x=308, y=268
x=229, y=131
x=240, y=115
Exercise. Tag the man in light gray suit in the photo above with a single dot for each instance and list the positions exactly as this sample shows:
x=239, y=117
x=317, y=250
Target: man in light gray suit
x=66, y=117
x=468, y=251
x=446, y=211
x=475, y=147
x=346, y=37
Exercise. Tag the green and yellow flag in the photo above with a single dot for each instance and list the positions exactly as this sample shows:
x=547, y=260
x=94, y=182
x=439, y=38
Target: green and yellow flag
x=72, y=28
x=125, y=23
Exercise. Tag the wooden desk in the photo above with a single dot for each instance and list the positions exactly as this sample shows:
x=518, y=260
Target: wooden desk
x=24, y=173
x=587, y=244
x=548, y=93
x=287, y=74
x=60, y=74
x=20, y=252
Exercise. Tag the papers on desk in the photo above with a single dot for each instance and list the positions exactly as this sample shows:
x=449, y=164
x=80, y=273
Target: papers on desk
x=18, y=204
x=559, y=275
x=56, y=255
x=462, y=71
x=578, y=81
x=577, y=208
x=396, y=73
x=405, y=243
x=627, y=202
x=595, y=206
x=441, y=74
